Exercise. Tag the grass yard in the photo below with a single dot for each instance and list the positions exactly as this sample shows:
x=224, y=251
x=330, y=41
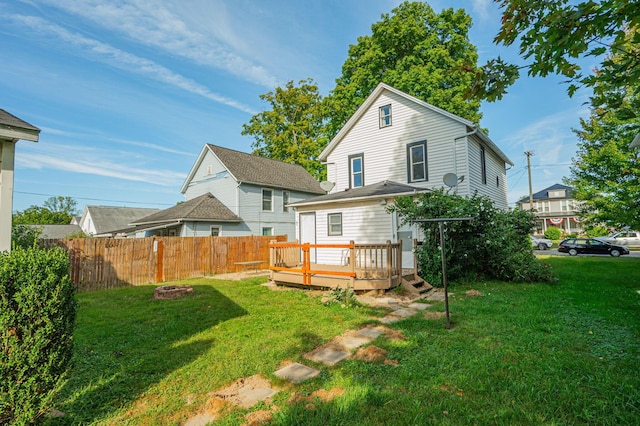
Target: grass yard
x=566, y=353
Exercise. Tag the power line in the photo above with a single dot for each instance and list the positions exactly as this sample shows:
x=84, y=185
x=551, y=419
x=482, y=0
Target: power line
x=94, y=199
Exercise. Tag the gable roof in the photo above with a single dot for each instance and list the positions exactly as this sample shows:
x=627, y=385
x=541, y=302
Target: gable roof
x=384, y=189
x=544, y=194
x=11, y=127
x=249, y=168
x=472, y=128
x=203, y=208
x=56, y=231
x=107, y=219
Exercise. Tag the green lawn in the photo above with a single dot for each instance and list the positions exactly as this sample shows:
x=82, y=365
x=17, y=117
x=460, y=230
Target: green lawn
x=566, y=353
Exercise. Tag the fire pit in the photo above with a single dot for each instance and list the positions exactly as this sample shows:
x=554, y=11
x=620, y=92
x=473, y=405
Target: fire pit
x=171, y=291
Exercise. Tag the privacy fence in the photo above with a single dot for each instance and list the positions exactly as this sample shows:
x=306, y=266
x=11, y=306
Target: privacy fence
x=103, y=263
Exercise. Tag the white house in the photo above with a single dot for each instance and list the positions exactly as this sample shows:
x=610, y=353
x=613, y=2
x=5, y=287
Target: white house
x=554, y=207
x=396, y=144
x=232, y=193
x=12, y=129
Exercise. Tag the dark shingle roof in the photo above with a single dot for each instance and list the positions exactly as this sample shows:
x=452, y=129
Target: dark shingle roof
x=544, y=194
x=205, y=207
x=108, y=218
x=266, y=171
x=8, y=119
x=380, y=189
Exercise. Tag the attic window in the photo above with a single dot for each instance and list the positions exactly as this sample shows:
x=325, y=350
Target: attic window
x=209, y=169
x=385, y=116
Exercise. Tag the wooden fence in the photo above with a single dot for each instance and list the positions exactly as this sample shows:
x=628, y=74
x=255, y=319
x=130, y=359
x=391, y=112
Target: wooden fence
x=103, y=263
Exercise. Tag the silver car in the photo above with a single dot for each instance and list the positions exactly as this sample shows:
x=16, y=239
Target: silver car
x=540, y=243
x=623, y=238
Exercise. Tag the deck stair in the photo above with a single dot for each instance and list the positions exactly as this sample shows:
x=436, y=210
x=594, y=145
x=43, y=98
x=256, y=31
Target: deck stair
x=414, y=284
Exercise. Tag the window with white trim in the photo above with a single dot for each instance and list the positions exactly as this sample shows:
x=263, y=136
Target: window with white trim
x=356, y=171
x=285, y=201
x=385, y=116
x=267, y=200
x=267, y=231
x=417, y=162
x=215, y=231
x=334, y=224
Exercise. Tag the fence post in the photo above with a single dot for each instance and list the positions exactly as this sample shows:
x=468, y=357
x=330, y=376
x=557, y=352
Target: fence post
x=158, y=248
x=389, y=262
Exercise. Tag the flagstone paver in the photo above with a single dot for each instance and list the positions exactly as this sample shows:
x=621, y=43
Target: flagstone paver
x=297, y=373
x=352, y=341
x=200, y=420
x=249, y=396
x=329, y=356
x=403, y=313
x=419, y=306
x=389, y=319
x=370, y=332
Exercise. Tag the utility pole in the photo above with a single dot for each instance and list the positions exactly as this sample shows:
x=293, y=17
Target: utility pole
x=529, y=154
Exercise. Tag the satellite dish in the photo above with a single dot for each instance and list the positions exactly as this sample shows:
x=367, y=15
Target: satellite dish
x=327, y=186
x=450, y=179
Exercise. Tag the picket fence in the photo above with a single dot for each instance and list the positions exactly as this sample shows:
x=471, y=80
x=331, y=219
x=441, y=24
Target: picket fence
x=104, y=263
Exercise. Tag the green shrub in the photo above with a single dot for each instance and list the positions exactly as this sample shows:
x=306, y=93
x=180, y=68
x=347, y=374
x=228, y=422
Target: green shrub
x=597, y=231
x=25, y=236
x=37, y=315
x=495, y=244
x=553, y=233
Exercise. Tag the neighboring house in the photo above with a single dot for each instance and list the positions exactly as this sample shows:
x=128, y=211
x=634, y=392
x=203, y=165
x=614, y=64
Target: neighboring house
x=57, y=231
x=108, y=221
x=396, y=144
x=554, y=207
x=12, y=129
x=257, y=190
x=200, y=216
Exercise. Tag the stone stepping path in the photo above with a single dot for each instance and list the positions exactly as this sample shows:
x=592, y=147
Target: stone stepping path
x=248, y=392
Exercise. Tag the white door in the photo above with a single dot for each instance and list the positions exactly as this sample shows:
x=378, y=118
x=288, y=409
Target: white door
x=406, y=236
x=308, y=232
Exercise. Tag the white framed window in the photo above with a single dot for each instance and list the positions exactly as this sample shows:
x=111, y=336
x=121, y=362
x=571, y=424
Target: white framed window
x=483, y=165
x=267, y=230
x=334, y=223
x=216, y=231
x=385, y=116
x=356, y=171
x=564, y=205
x=417, y=161
x=285, y=201
x=267, y=200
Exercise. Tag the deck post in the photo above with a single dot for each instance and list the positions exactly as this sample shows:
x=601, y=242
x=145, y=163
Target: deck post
x=415, y=261
x=352, y=258
x=389, y=262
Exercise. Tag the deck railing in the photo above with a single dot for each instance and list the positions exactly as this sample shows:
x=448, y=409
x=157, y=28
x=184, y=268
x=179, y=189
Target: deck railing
x=361, y=261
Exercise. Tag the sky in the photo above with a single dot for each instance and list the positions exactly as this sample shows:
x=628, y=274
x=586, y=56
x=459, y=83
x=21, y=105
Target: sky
x=127, y=92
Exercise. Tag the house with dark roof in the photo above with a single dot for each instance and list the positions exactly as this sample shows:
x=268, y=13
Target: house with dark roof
x=554, y=207
x=109, y=221
x=393, y=145
x=232, y=193
x=12, y=129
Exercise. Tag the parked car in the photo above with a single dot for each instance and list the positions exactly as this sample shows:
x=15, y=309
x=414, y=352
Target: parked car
x=575, y=246
x=623, y=238
x=541, y=243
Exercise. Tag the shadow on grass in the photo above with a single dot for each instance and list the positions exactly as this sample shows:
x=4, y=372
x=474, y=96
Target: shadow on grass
x=134, y=342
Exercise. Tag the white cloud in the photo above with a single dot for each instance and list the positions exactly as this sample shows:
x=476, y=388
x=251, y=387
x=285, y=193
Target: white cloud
x=481, y=8
x=152, y=23
x=126, y=61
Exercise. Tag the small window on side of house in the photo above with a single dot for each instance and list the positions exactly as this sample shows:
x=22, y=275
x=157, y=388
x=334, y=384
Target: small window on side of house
x=356, y=171
x=267, y=200
x=334, y=224
x=267, y=231
x=417, y=162
x=215, y=231
x=285, y=201
x=483, y=165
x=385, y=116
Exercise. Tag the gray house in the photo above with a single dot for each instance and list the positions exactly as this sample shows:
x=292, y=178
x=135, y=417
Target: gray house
x=108, y=221
x=232, y=193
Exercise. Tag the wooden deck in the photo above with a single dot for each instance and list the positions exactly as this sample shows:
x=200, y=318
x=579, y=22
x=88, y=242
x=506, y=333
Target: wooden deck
x=368, y=266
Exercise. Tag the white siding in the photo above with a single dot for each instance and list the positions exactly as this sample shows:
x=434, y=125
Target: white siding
x=495, y=168
x=364, y=223
x=211, y=176
x=385, y=150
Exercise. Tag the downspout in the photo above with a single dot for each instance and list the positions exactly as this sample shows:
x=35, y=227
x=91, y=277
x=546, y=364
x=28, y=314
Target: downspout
x=455, y=166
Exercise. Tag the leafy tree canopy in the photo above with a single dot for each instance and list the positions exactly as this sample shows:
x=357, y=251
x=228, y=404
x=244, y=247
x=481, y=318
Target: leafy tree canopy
x=56, y=211
x=553, y=35
x=293, y=129
x=423, y=53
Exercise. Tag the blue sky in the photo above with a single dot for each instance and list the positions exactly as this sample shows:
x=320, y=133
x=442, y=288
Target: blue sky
x=127, y=92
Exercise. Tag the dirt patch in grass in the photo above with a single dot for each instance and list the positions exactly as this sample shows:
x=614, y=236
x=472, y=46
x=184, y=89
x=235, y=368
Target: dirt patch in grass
x=321, y=395
x=473, y=293
x=260, y=417
x=370, y=354
x=393, y=334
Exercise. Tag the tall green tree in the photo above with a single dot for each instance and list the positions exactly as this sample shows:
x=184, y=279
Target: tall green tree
x=55, y=211
x=554, y=34
x=416, y=50
x=293, y=129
